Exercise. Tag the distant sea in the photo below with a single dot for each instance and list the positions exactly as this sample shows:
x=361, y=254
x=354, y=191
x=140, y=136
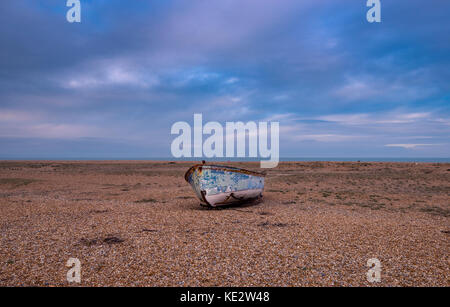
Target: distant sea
x=300, y=159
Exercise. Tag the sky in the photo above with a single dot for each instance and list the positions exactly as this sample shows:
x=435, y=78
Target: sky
x=113, y=85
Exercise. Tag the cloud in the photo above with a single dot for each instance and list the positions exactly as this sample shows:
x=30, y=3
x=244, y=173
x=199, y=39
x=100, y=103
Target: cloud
x=130, y=70
x=357, y=90
x=53, y=131
x=392, y=117
x=346, y=119
x=389, y=88
x=111, y=73
x=16, y=116
x=232, y=80
x=326, y=137
x=410, y=146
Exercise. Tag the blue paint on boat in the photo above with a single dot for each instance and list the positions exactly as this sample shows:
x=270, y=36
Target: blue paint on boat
x=218, y=179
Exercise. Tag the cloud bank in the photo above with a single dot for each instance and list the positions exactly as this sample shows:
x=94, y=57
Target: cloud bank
x=113, y=85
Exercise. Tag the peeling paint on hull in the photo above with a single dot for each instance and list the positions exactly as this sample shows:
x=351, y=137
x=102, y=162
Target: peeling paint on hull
x=217, y=185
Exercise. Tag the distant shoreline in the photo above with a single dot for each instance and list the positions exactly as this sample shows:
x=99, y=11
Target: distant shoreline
x=192, y=159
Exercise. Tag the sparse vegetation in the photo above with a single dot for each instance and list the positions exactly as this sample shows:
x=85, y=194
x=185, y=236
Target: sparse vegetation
x=326, y=194
x=16, y=182
x=146, y=200
x=436, y=211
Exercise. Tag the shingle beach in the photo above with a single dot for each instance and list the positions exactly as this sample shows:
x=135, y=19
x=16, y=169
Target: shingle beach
x=137, y=223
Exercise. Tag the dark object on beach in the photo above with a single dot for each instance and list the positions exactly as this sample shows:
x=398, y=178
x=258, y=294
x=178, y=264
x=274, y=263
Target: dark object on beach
x=113, y=240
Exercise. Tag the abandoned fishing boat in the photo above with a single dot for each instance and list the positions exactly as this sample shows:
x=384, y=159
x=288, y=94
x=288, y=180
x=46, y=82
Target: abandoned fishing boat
x=217, y=185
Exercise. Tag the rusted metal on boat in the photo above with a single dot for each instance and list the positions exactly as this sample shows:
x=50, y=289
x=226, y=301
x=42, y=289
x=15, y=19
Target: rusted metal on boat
x=217, y=185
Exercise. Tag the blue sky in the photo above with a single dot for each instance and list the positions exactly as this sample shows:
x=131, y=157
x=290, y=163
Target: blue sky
x=113, y=85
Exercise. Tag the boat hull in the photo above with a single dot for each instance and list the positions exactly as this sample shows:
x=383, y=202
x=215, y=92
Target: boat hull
x=217, y=185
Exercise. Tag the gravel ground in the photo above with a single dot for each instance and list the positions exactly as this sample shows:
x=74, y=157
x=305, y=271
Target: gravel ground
x=135, y=223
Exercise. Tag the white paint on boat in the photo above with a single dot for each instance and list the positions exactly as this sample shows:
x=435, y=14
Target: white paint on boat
x=230, y=197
